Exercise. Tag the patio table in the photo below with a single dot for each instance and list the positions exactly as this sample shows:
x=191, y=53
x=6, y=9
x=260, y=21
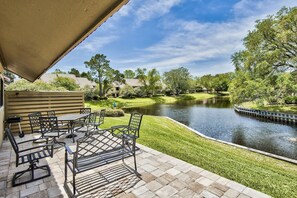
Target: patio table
x=71, y=118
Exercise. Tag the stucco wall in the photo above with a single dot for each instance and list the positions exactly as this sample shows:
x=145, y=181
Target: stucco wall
x=1, y=123
x=1, y=111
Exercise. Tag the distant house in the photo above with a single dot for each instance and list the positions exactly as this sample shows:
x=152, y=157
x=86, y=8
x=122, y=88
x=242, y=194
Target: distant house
x=82, y=82
x=115, y=91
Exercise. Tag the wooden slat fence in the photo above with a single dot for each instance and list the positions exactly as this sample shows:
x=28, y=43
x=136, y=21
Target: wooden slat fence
x=22, y=103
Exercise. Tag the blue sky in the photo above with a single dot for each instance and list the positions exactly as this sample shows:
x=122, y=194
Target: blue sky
x=200, y=35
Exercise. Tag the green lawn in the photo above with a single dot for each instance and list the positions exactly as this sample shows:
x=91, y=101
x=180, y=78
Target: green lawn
x=268, y=175
x=277, y=108
x=138, y=102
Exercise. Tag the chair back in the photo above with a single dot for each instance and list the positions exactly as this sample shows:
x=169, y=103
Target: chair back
x=12, y=140
x=91, y=118
x=102, y=116
x=34, y=121
x=135, y=122
x=96, y=142
x=51, y=113
x=48, y=124
x=85, y=110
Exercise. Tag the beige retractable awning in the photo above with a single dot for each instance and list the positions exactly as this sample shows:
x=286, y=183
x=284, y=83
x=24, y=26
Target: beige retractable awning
x=34, y=34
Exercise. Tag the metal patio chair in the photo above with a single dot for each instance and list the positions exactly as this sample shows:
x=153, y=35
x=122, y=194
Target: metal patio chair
x=132, y=129
x=52, y=113
x=86, y=125
x=30, y=155
x=50, y=128
x=98, y=148
x=96, y=120
x=85, y=110
x=35, y=125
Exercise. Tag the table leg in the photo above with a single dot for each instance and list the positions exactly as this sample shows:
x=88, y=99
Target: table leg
x=71, y=124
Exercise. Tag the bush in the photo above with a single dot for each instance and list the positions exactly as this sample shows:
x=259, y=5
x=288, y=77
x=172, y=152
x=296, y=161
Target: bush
x=38, y=85
x=140, y=92
x=291, y=100
x=127, y=91
x=103, y=98
x=114, y=113
x=67, y=83
x=96, y=97
x=89, y=93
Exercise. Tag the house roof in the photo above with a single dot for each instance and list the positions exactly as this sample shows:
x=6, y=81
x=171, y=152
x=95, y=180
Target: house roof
x=85, y=82
x=35, y=35
x=82, y=82
x=133, y=82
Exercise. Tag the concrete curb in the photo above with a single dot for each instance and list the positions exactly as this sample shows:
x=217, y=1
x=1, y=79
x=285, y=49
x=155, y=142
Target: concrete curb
x=236, y=145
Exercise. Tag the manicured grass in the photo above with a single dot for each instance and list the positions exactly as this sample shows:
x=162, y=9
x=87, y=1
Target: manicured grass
x=268, y=175
x=277, y=108
x=138, y=102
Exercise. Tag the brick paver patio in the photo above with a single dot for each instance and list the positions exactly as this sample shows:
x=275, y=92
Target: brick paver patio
x=161, y=176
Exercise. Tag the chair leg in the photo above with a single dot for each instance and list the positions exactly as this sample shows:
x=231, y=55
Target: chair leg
x=74, y=184
x=31, y=169
x=134, y=155
x=66, y=160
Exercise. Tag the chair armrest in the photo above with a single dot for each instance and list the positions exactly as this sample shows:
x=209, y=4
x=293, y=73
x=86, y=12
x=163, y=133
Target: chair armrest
x=68, y=150
x=31, y=140
x=36, y=147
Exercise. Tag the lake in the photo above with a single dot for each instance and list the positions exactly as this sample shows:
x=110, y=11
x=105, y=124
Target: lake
x=216, y=118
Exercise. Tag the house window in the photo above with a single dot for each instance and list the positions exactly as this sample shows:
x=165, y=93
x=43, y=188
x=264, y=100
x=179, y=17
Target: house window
x=117, y=88
x=1, y=92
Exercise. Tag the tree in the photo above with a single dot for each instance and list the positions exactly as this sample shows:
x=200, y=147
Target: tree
x=206, y=82
x=154, y=82
x=74, y=72
x=129, y=74
x=270, y=50
x=272, y=46
x=58, y=71
x=87, y=75
x=142, y=78
x=178, y=80
x=112, y=76
x=67, y=83
x=100, y=70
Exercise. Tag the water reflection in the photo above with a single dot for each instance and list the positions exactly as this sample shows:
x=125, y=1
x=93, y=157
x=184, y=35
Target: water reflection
x=216, y=118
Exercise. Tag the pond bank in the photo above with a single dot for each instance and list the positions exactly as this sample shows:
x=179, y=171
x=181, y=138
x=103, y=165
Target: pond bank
x=140, y=102
x=268, y=115
x=271, y=176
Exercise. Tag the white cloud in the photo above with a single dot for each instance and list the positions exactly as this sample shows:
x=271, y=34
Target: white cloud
x=205, y=45
x=245, y=8
x=194, y=42
x=95, y=43
x=150, y=9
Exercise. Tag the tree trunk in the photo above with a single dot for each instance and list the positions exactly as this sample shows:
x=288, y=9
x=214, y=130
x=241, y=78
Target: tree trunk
x=100, y=86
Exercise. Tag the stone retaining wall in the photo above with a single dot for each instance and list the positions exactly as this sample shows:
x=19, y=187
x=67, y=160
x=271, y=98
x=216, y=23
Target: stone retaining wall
x=269, y=115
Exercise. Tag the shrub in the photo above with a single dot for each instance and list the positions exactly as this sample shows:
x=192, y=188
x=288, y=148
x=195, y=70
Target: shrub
x=67, y=83
x=140, y=92
x=127, y=91
x=38, y=85
x=95, y=97
x=291, y=100
x=114, y=113
x=89, y=93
